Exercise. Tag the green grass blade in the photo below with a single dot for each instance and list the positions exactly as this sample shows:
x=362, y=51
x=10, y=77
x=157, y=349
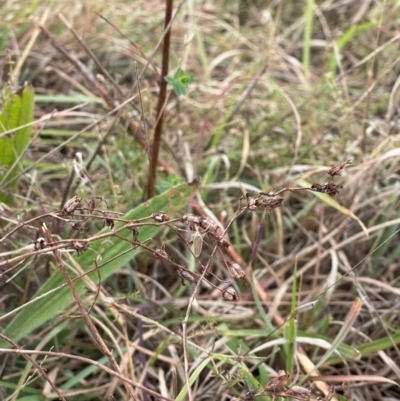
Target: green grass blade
x=192, y=379
x=347, y=36
x=17, y=111
x=290, y=327
x=36, y=314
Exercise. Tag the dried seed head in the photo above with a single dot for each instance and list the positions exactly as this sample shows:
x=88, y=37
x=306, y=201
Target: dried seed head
x=267, y=201
x=335, y=170
x=253, y=204
x=107, y=222
x=298, y=391
x=329, y=188
x=222, y=242
x=92, y=205
x=71, y=205
x=208, y=225
x=77, y=226
x=235, y=270
x=80, y=247
x=230, y=294
x=271, y=202
x=248, y=395
x=160, y=217
x=191, y=219
x=40, y=243
x=197, y=240
x=283, y=376
x=161, y=254
x=135, y=233
x=278, y=383
x=188, y=276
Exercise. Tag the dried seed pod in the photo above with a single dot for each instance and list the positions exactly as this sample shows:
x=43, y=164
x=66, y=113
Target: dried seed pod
x=277, y=385
x=335, y=170
x=300, y=392
x=235, y=270
x=40, y=243
x=329, y=188
x=248, y=395
x=161, y=254
x=71, y=205
x=135, y=232
x=253, y=204
x=77, y=226
x=197, y=241
x=107, y=222
x=222, y=242
x=160, y=217
x=188, y=276
x=191, y=219
x=92, y=205
x=80, y=247
x=271, y=202
x=230, y=294
x=208, y=225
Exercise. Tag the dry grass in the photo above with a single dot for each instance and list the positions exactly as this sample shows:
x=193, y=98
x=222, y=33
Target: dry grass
x=270, y=108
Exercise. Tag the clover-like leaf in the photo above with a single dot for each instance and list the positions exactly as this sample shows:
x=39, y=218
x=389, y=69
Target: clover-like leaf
x=180, y=81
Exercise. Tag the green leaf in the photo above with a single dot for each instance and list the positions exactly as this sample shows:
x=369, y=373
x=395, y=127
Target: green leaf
x=17, y=111
x=111, y=250
x=180, y=81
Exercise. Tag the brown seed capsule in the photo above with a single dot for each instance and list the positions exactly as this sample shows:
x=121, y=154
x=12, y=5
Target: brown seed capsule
x=80, y=247
x=253, y=204
x=92, y=205
x=161, y=217
x=298, y=391
x=161, y=254
x=208, y=225
x=328, y=188
x=271, y=203
x=107, y=222
x=278, y=384
x=135, y=232
x=230, y=294
x=235, y=270
x=40, y=243
x=71, y=205
x=77, y=226
x=191, y=219
x=188, y=276
x=335, y=170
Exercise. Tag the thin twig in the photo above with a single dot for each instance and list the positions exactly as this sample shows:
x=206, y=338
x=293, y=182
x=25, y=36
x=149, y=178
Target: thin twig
x=97, y=339
x=35, y=364
x=120, y=376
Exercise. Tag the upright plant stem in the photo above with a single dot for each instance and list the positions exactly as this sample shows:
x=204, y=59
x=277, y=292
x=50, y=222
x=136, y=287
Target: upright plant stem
x=307, y=38
x=160, y=105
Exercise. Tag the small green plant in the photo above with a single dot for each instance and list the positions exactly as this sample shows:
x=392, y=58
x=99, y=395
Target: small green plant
x=180, y=81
